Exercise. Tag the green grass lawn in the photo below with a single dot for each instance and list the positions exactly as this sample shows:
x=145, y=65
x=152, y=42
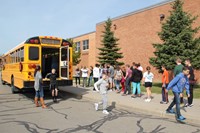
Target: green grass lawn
x=157, y=89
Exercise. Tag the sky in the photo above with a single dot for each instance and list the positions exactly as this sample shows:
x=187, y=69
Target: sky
x=22, y=19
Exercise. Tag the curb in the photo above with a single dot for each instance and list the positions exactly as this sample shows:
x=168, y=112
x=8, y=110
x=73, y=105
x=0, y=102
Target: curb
x=158, y=113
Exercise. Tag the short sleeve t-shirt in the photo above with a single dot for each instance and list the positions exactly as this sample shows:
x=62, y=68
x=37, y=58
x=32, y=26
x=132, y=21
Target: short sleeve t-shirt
x=148, y=77
x=84, y=73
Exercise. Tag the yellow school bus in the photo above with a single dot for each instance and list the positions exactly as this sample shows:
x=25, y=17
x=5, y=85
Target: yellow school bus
x=49, y=52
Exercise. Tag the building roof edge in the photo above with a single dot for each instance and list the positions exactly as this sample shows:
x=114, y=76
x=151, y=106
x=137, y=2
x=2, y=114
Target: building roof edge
x=140, y=10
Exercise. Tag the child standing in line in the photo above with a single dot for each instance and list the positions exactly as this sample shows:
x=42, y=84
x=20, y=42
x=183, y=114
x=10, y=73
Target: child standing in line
x=165, y=82
x=180, y=82
x=53, y=84
x=103, y=87
x=148, y=79
x=77, y=76
x=84, y=72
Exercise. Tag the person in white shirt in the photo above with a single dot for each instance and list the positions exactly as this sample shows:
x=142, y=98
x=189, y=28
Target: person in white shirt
x=140, y=67
x=84, y=75
x=96, y=74
x=148, y=79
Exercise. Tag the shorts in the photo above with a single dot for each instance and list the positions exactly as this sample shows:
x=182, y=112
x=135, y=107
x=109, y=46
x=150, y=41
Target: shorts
x=110, y=80
x=53, y=86
x=148, y=84
x=39, y=93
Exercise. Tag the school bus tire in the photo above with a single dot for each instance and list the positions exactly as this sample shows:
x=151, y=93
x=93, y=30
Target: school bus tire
x=13, y=88
x=2, y=81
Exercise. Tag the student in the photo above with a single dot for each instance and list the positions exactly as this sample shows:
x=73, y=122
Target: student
x=191, y=77
x=127, y=80
x=84, y=72
x=103, y=87
x=53, y=84
x=123, y=69
x=117, y=78
x=178, y=84
x=178, y=69
x=77, y=76
x=39, y=92
x=148, y=79
x=111, y=72
x=136, y=78
x=96, y=74
x=165, y=82
x=90, y=76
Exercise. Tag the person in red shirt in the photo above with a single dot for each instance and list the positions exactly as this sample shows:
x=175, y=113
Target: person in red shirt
x=165, y=82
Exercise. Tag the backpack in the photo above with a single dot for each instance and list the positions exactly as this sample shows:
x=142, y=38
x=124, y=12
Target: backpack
x=118, y=75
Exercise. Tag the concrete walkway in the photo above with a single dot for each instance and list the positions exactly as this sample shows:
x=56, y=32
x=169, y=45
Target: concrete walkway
x=138, y=104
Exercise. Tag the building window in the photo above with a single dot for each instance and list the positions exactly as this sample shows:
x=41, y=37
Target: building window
x=85, y=44
x=78, y=46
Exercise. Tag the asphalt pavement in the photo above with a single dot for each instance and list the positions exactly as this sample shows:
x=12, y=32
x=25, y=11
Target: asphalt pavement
x=138, y=104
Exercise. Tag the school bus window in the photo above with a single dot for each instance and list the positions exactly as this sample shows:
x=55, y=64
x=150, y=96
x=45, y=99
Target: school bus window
x=17, y=56
x=64, y=54
x=22, y=54
x=33, y=53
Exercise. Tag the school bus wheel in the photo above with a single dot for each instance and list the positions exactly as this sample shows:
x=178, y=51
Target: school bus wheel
x=13, y=88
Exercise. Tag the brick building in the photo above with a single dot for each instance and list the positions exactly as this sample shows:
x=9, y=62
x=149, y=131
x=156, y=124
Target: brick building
x=137, y=31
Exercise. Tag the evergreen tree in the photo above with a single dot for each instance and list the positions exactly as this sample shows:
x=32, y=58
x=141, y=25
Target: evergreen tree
x=109, y=52
x=179, y=40
x=76, y=54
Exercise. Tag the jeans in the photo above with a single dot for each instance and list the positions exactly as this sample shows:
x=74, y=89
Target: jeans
x=176, y=102
x=117, y=84
x=89, y=80
x=136, y=85
x=127, y=86
x=39, y=93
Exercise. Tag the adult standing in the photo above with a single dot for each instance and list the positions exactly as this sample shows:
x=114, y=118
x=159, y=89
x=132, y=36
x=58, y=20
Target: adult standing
x=96, y=74
x=191, y=77
x=39, y=92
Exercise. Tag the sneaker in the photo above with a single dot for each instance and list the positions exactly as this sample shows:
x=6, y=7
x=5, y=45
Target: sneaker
x=170, y=111
x=162, y=102
x=186, y=105
x=181, y=117
x=96, y=105
x=190, y=105
x=105, y=112
x=133, y=96
x=147, y=100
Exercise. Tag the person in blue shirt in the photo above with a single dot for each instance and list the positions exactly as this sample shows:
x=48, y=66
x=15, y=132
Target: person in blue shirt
x=178, y=84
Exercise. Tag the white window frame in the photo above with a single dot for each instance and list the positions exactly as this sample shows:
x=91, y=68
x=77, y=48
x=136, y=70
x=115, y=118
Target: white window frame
x=85, y=45
x=78, y=47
